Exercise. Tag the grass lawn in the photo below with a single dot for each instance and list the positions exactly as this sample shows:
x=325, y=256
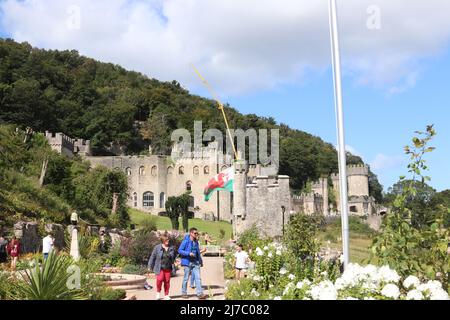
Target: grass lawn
x=360, y=239
x=163, y=223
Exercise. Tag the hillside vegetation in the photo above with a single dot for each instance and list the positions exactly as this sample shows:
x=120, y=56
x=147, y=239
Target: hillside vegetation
x=68, y=184
x=62, y=91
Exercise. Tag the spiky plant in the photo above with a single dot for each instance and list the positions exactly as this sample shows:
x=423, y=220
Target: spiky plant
x=50, y=281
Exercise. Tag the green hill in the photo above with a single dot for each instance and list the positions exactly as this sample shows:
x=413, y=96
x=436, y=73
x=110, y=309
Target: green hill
x=68, y=184
x=62, y=91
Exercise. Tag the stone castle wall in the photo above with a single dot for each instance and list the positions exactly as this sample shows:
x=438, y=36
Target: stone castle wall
x=164, y=178
x=260, y=203
x=67, y=146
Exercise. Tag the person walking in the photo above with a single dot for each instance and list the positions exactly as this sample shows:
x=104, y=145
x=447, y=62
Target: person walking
x=191, y=260
x=161, y=263
x=3, y=249
x=47, y=245
x=207, y=238
x=241, y=261
x=14, y=252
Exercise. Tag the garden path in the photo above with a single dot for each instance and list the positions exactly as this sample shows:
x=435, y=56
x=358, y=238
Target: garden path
x=212, y=280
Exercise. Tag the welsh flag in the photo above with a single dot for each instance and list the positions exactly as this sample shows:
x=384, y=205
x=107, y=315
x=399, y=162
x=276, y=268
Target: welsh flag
x=222, y=181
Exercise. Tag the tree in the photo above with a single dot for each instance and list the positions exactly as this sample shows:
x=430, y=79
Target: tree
x=173, y=212
x=176, y=207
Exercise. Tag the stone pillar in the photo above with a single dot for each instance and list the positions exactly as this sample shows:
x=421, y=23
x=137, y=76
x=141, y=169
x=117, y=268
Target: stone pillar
x=74, y=250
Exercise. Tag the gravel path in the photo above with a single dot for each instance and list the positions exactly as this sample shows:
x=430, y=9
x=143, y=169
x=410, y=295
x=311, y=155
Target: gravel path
x=212, y=280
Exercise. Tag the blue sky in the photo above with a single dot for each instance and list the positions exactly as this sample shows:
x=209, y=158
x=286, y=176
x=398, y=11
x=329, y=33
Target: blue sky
x=274, y=60
x=376, y=123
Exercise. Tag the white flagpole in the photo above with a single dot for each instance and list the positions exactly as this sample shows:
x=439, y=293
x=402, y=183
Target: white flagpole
x=334, y=34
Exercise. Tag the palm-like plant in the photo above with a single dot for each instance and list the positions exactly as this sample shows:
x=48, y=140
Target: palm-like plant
x=49, y=281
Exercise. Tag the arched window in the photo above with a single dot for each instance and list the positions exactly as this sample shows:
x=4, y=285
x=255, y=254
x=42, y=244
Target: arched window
x=142, y=171
x=170, y=170
x=181, y=170
x=154, y=171
x=206, y=170
x=135, y=200
x=189, y=186
x=128, y=171
x=148, y=200
x=224, y=168
x=162, y=200
x=196, y=171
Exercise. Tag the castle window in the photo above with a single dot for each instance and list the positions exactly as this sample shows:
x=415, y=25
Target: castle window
x=196, y=171
x=141, y=171
x=206, y=170
x=181, y=170
x=223, y=168
x=170, y=170
x=162, y=200
x=128, y=171
x=135, y=200
x=189, y=186
x=154, y=171
x=148, y=200
x=353, y=209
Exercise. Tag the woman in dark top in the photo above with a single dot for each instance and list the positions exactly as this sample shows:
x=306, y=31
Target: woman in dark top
x=161, y=263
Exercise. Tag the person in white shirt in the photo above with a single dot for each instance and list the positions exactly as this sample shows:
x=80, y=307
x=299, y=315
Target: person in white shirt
x=241, y=261
x=47, y=245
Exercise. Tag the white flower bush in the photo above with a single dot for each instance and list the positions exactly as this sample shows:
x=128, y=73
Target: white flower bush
x=275, y=277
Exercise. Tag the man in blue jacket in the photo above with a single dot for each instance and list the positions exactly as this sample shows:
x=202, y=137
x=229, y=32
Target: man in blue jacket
x=191, y=260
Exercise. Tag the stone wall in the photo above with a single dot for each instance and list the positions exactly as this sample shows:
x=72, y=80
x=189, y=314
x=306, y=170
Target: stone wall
x=164, y=178
x=27, y=233
x=261, y=204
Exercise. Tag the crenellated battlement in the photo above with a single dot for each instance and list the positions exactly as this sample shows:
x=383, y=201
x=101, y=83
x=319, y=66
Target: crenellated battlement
x=358, y=169
x=63, y=144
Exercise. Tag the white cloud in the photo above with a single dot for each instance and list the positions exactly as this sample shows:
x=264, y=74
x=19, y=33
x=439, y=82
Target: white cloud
x=240, y=46
x=384, y=162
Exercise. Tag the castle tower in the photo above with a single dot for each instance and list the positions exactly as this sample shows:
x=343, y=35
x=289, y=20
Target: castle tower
x=358, y=180
x=321, y=188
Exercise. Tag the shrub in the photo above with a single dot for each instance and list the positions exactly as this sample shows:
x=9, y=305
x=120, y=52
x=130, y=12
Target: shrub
x=48, y=282
x=115, y=257
x=300, y=237
x=139, y=248
x=148, y=224
x=408, y=247
x=8, y=286
x=134, y=269
x=251, y=239
x=107, y=293
x=221, y=234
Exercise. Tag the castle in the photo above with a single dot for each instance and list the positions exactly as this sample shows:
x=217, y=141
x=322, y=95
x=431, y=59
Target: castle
x=359, y=201
x=261, y=197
